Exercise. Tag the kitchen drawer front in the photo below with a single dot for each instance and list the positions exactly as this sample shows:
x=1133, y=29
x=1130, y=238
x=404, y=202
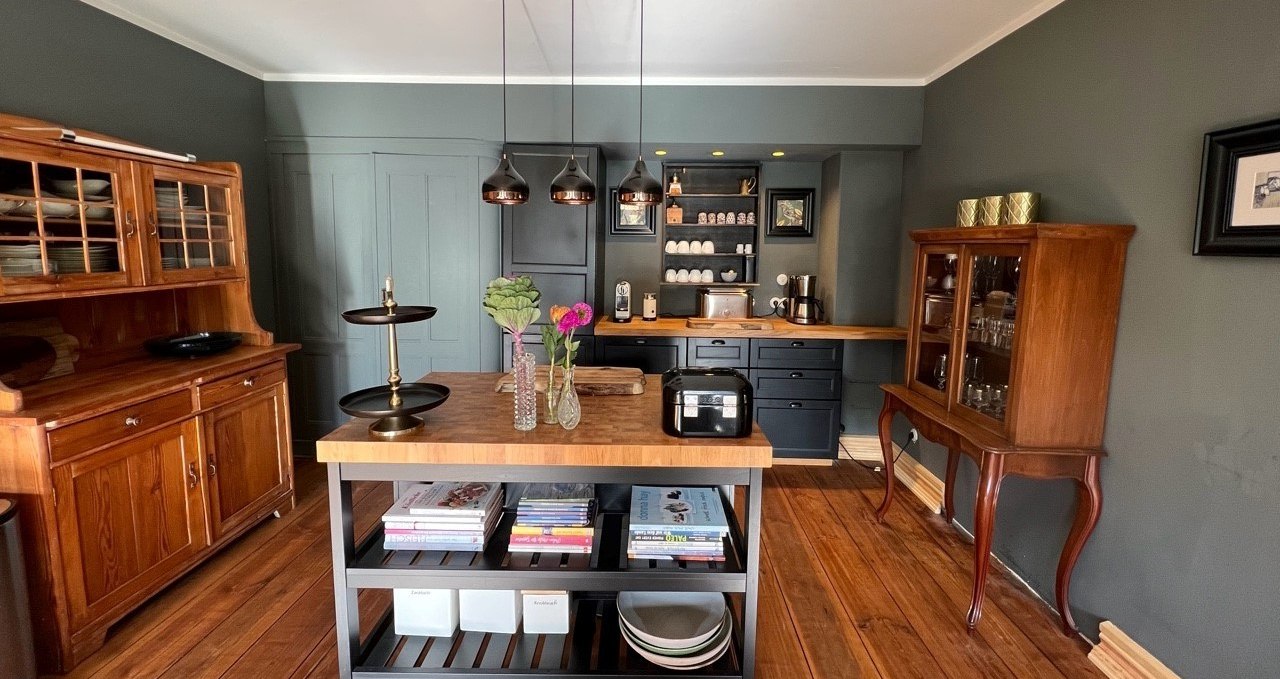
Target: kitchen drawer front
x=653, y=355
x=794, y=354
x=797, y=384
x=796, y=428
x=706, y=352
x=73, y=439
x=240, y=384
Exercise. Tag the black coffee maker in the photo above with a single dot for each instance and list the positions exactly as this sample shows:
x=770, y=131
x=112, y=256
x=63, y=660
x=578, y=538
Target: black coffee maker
x=802, y=305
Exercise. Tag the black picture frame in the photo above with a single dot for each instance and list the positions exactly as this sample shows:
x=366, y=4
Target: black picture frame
x=782, y=208
x=1234, y=161
x=618, y=226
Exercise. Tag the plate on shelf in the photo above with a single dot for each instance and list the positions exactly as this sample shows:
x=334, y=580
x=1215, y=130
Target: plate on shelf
x=682, y=659
x=672, y=619
x=66, y=188
x=188, y=345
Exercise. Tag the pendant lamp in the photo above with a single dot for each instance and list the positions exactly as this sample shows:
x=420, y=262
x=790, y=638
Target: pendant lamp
x=505, y=186
x=639, y=187
x=572, y=186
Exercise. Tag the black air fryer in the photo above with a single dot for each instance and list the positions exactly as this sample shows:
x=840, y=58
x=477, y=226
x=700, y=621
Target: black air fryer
x=706, y=402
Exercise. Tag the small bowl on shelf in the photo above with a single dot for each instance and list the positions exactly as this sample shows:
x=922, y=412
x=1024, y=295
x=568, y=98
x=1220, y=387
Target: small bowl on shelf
x=729, y=276
x=92, y=187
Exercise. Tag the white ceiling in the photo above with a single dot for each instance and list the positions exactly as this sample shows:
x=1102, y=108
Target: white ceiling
x=687, y=42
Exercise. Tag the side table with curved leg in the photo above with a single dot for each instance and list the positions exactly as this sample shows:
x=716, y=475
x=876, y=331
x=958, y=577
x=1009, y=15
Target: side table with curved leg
x=996, y=459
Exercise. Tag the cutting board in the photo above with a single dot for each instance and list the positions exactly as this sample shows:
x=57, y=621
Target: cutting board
x=729, y=324
x=587, y=381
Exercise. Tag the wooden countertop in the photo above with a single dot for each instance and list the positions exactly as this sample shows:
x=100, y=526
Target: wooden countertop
x=474, y=427
x=675, y=327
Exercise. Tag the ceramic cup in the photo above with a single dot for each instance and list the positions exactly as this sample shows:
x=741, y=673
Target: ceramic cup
x=731, y=218
x=708, y=276
x=708, y=247
x=695, y=247
x=682, y=247
x=748, y=248
x=740, y=248
x=991, y=211
x=967, y=212
x=721, y=217
x=1022, y=207
x=751, y=218
x=682, y=276
x=670, y=247
x=702, y=218
x=669, y=276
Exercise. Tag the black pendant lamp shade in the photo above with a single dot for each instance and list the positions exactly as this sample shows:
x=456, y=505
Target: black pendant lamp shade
x=505, y=186
x=572, y=186
x=639, y=187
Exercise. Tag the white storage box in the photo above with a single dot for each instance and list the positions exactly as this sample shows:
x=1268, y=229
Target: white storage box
x=426, y=612
x=490, y=610
x=546, y=612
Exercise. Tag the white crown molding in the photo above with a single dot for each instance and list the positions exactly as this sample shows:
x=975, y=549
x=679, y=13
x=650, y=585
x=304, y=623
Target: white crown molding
x=173, y=36
x=678, y=81
x=1000, y=34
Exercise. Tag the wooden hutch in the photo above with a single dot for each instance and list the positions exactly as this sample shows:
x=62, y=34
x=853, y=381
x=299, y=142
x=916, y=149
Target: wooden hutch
x=128, y=469
x=1009, y=362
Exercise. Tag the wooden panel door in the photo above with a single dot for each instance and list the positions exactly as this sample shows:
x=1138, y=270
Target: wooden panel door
x=130, y=518
x=246, y=458
x=192, y=228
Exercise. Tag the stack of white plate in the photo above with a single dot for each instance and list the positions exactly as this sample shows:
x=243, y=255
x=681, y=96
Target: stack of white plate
x=676, y=630
x=102, y=258
x=28, y=208
x=167, y=198
x=20, y=260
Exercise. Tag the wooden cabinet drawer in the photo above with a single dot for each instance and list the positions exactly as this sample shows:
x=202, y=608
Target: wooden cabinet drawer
x=240, y=384
x=73, y=439
x=797, y=384
x=808, y=429
x=653, y=355
x=793, y=354
x=706, y=352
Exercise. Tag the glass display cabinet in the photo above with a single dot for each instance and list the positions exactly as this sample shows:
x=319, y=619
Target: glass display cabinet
x=1009, y=352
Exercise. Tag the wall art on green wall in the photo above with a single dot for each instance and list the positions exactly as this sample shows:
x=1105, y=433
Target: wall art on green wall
x=790, y=212
x=1239, y=208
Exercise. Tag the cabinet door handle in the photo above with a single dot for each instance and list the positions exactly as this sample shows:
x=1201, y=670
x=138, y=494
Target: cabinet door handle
x=213, y=465
x=249, y=381
x=128, y=221
x=193, y=479
x=132, y=421
x=796, y=404
x=797, y=374
x=718, y=343
x=797, y=343
x=154, y=222
x=640, y=341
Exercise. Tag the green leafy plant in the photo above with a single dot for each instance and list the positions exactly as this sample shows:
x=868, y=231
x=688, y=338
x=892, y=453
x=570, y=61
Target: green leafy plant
x=512, y=302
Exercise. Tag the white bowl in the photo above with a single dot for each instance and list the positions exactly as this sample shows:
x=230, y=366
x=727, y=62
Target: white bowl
x=728, y=276
x=672, y=619
x=92, y=187
x=682, y=247
x=720, y=641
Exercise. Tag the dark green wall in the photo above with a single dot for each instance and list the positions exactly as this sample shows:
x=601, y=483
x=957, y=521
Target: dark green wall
x=67, y=62
x=1102, y=106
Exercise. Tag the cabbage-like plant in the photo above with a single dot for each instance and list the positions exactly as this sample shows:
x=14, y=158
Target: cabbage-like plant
x=512, y=302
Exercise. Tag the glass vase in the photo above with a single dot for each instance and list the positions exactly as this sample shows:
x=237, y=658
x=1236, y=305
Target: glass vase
x=568, y=409
x=549, y=416
x=526, y=397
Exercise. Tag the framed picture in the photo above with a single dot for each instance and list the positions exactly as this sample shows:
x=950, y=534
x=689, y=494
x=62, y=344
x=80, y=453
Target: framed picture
x=790, y=212
x=632, y=220
x=1239, y=208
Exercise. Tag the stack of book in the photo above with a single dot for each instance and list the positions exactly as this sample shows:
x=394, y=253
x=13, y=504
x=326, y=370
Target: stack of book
x=687, y=524
x=555, y=517
x=452, y=516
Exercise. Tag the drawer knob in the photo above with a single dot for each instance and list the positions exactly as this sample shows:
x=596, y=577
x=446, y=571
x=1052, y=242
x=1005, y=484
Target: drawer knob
x=797, y=343
x=797, y=374
x=640, y=341
x=718, y=343
x=249, y=381
x=796, y=404
x=132, y=421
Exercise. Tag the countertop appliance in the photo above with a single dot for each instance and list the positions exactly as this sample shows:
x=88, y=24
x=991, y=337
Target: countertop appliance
x=706, y=402
x=724, y=303
x=802, y=304
x=622, y=302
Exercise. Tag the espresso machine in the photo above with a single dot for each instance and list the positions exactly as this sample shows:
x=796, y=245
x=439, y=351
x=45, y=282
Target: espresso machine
x=622, y=302
x=802, y=305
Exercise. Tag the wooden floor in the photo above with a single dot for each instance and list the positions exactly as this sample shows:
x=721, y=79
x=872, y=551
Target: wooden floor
x=841, y=596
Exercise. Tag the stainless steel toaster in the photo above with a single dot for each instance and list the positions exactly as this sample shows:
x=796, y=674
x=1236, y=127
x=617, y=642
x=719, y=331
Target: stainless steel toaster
x=724, y=303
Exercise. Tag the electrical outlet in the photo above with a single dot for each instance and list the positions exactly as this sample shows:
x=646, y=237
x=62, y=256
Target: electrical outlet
x=913, y=436
x=775, y=302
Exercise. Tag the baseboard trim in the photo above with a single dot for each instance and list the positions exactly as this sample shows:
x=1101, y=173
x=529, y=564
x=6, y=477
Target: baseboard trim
x=802, y=462
x=907, y=470
x=1118, y=656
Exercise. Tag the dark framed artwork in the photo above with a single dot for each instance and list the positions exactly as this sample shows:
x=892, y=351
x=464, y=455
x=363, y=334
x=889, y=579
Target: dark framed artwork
x=1239, y=208
x=791, y=212
x=631, y=220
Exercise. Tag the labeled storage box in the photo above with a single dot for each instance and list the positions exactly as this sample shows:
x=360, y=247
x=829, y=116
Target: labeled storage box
x=546, y=611
x=490, y=610
x=426, y=612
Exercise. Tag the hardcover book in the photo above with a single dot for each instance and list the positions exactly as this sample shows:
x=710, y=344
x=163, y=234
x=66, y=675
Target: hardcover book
x=677, y=510
x=465, y=498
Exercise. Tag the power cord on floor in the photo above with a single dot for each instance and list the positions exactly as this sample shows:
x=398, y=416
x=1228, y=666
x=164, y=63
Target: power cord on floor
x=872, y=467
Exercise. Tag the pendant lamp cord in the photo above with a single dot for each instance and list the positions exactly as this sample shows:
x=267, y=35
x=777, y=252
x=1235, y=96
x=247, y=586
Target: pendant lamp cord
x=573, y=44
x=504, y=75
x=640, y=137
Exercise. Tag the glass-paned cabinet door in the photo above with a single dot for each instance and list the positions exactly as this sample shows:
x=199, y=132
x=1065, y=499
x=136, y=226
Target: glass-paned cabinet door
x=63, y=223
x=191, y=226
x=994, y=275
x=935, y=312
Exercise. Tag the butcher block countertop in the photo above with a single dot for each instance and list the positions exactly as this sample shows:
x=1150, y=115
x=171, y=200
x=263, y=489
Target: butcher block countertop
x=781, y=329
x=475, y=427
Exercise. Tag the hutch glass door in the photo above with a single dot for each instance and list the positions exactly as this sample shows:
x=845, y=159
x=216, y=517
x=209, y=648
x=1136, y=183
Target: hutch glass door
x=990, y=330
x=935, y=314
x=191, y=227
x=61, y=223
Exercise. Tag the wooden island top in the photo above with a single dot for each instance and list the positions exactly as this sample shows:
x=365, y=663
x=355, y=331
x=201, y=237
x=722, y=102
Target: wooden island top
x=674, y=326
x=475, y=427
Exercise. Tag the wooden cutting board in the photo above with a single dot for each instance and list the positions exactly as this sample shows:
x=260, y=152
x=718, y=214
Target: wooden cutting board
x=729, y=324
x=587, y=381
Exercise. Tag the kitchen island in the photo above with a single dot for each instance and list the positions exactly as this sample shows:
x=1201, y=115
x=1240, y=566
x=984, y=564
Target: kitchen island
x=778, y=328
x=470, y=438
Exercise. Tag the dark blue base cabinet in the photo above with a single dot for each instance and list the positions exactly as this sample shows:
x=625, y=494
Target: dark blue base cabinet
x=797, y=384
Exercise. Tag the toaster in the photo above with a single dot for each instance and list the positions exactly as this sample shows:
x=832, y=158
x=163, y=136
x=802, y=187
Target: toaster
x=724, y=303
x=706, y=402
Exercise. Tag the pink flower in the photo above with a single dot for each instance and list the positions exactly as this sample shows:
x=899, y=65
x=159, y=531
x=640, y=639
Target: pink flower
x=568, y=322
x=584, y=313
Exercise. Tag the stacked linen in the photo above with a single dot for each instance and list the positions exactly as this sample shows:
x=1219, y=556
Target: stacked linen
x=452, y=516
x=687, y=524
x=555, y=517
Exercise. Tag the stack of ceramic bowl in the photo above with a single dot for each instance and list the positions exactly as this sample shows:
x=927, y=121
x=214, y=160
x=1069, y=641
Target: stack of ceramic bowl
x=676, y=630
x=71, y=259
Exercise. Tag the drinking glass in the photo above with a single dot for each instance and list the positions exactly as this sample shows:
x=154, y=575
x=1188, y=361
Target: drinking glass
x=980, y=396
x=973, y=368
x=940, y=372
x=998, y=395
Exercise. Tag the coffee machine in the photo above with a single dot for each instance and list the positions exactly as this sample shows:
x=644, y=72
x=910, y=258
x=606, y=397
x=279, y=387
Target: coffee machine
x=622, y=302
x=802, y=305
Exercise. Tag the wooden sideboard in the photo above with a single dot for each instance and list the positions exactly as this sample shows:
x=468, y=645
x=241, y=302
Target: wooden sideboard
x=1009, y=362
x=128, y=469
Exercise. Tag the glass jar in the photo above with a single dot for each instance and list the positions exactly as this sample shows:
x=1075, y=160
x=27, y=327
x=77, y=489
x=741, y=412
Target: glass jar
x=526, y=397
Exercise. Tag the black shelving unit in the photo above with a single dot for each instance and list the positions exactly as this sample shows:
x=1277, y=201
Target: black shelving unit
x=712, y=187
